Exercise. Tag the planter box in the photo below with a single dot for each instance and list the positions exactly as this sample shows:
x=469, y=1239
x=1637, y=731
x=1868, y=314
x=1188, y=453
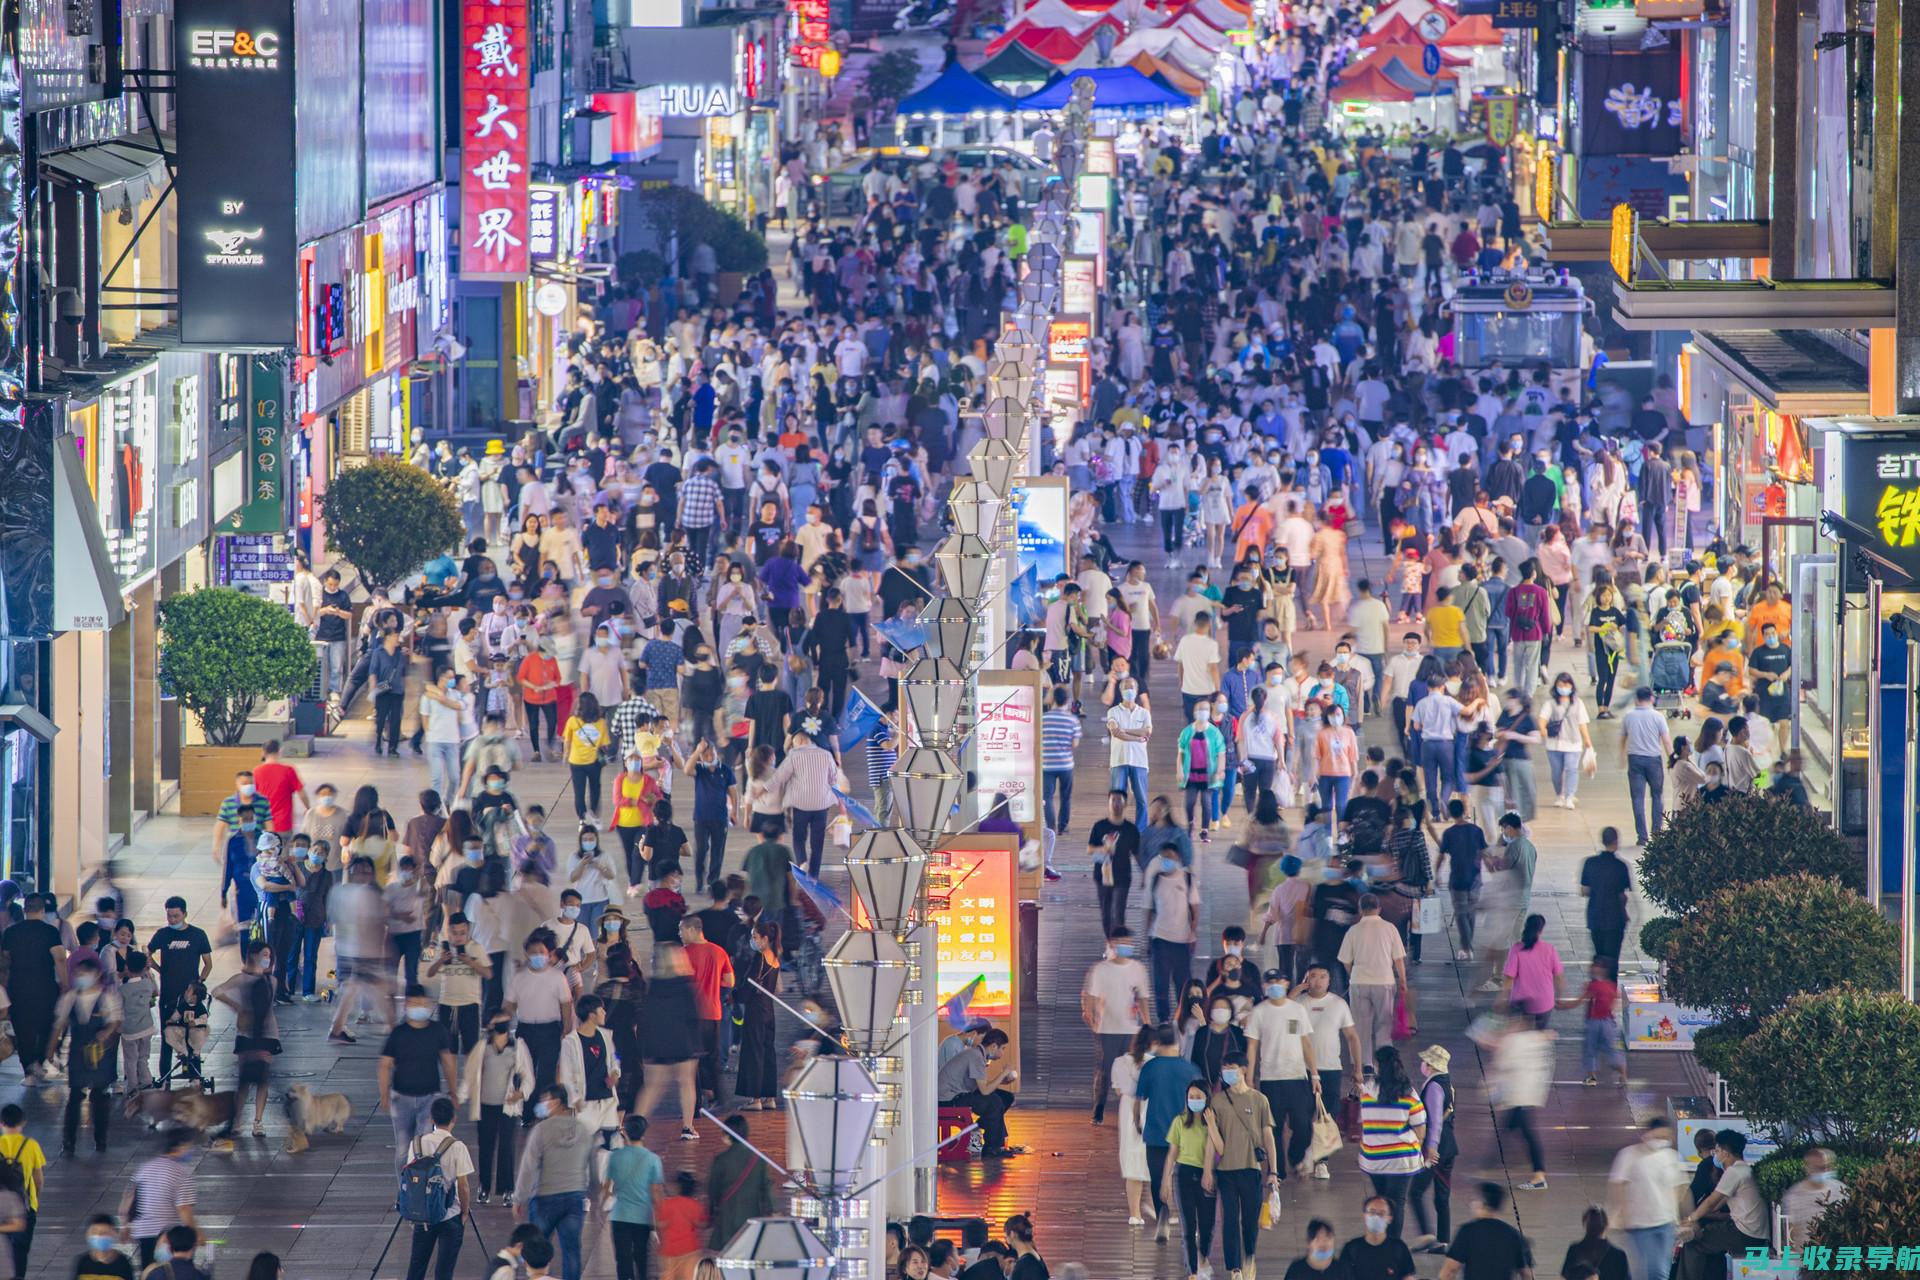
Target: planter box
x=206, y=776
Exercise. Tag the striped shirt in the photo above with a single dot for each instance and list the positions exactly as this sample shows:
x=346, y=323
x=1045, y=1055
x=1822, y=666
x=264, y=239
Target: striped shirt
x=161, y=1185
x=880, y=758
x=1059, y=735
x=1387, y=1142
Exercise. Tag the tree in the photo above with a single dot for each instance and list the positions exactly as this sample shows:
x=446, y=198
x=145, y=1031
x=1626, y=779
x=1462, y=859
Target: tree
x=1834, y=1069
x=891, y=77
x=223, y=652
x=1882, y=1206
x=1748, y=950
x=1705, y=848
x=388, y=518
x=680, y=218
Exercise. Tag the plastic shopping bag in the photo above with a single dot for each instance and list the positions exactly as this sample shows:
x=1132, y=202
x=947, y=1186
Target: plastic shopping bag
x=1270, y=1210
x=1429, y=920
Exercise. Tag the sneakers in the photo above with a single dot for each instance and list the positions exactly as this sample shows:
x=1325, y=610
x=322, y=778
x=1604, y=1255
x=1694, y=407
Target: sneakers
x=1490, y=985
x=480, y=1197
x=1052, y=875
x=1591, y=1080
x=1320, y=1173
x=1463, y=955
x=1537, y=1183
x=506, y=1201
x=1136, y=1222
x=688, y=1135
x=341, y=1037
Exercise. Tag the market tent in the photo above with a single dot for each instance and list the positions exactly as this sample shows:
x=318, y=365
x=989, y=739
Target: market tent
x=1166, y=73
x=1016, y=69
x=1059, y=13
x=956, y=91
x=1223, y=14
x=1475, y=30
x=1114, y=89
x=1410, y=12
x=1199, y=31
x=1416, y=82
x=1370, y=85
x=1411, y=55
x=1168, y=45
x=1398, y=31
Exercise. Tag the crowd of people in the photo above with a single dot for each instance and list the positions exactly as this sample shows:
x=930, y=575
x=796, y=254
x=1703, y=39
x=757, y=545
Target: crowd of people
x=686, y=592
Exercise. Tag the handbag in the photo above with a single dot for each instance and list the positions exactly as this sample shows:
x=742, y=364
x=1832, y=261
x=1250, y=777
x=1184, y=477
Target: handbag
x=1429, y=919
x=1350, y=1118
x=1326, y=1136
x=1239, y=856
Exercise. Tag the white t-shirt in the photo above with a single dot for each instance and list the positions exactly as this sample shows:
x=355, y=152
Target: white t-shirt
x=455, y=1161
x=1650, y=1175
x=1329, y=1016
x=1369, y=950
x=1197, y=656
x=1138, y=597
x=1278, y=1028
x=440, y=722
x=1743, y=1200
x=1121, y=987
x=1120, y=716
x=1369, y=619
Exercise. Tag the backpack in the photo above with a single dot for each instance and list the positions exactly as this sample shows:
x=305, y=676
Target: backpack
x=426, y=1192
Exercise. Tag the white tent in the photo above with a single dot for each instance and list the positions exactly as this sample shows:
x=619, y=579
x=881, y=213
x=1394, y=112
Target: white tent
x=1412, y=11
x=1199, y=31
x=1220, y=14
x=1058, y=13
x=1169, y=44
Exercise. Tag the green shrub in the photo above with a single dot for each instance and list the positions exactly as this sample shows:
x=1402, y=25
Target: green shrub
x=388, y=518
x=1834, y=1069
x=1714, y=1046
x=1749, y=949
x=224, y=652
x=682, y=215
x=1655, y=934
x=1882, y=1207
x=1705, y=848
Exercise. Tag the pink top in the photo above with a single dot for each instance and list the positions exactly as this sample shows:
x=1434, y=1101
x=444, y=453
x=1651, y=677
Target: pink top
x=1536, y=977
x=1335, y=752
x=1556, y=561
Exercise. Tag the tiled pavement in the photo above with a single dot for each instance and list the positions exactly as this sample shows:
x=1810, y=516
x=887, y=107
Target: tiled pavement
x=328, y=1211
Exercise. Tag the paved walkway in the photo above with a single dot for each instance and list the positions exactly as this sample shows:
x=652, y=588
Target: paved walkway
x=328, y=1211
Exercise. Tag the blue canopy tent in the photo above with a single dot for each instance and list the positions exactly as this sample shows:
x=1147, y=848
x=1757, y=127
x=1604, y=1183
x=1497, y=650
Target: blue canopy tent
x=956, y=91
x=1121, y=90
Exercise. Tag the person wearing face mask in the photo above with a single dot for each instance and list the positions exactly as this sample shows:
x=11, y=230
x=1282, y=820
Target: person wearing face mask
x=555, y=1174
x=103, y=1259
x=1323, y=1260
x=93, y=1013
x=1244, y=1168
x=496, y=1082
x=1113, y=1004
x=1129, y=729
x=1805, y=1200
x=591, y=871
x=1374, y=1255
x=1193, y=1140
x=1770, y=669
x=1201, y=756
x=415, y=1061
x=589, y=1070
x=1732, y=1221
x=540, y=1001
x=247, y=803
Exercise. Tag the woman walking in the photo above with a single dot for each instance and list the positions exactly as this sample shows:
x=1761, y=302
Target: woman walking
x=1123, y=1075
x=1523, y=1071
x=495, y=1083
x=1607, y=624
x=1393, y=1124
x=1564, y=722
x=758, y=1081
x=1195, y=1144
x=585, y=736
x=1533, y=974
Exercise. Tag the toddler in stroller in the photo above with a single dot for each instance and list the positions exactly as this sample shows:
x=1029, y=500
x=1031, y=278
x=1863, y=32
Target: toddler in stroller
x=1670, y=673
x=185, y=1034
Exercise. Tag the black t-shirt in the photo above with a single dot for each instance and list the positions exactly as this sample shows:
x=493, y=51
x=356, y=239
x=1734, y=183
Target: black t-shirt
x=1388, y=1260
x=1461, y=844
x=118, y=1267
x=1243, y=626
x=1489, y=1249
x=1126, y=845
x=769, y=709
x=1773, y=663
x=329, y=627
x=1523, y=723
x=1367, y=818
x=29, y=946
x=1605, y=878
x=704, y=689
x=665, y=841
x=1338, y=1269
x=416, y=1051
x=1030, y=1267
x=180, y=951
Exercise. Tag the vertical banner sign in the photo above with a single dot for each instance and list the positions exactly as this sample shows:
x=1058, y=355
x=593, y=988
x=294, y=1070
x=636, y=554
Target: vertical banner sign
x=234, y=83
x=494, y=76
x=264, y=510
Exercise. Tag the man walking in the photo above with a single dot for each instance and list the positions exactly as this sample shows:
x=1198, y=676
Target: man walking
x=1644, y=747
x=456, y=1164
x=1606, y=884
x=556, y=1168
x=1280, y=1049
x=1376, y=962
x=1529, y=611
x=414, y=1062
x=1646, y=1194
x=1113, y=1003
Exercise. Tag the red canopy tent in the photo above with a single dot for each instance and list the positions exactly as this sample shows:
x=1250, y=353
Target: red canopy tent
x=1369, y=85
x=1397, y=30
x=1475, y=30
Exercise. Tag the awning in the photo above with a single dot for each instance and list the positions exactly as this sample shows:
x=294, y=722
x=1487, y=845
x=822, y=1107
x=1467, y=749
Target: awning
x=1716, y=305
x=86, y=592
x=18, y=713
x=111, y=164
x=1791, y=371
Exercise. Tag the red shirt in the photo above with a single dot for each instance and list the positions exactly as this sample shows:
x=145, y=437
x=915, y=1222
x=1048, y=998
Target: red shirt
x=277, y=782
x=1601, y=997
x=680, y=1220
x=711, y=970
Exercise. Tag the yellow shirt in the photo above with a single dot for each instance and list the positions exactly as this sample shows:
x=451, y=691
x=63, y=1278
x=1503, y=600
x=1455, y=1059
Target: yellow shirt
x=1447, y=624
x=26, y=1153
x=584, y=740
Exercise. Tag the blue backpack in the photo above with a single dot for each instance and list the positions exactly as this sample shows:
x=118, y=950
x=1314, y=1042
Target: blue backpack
x=426, y=1192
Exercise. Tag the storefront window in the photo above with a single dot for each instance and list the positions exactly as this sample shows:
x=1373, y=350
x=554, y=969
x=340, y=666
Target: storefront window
x=22, y=767
x=481, y=333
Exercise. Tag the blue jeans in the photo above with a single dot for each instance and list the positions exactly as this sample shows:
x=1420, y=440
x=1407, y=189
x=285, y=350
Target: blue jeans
x=309, y=958
x=1643, y=775
x=1436, y=767
x=1057, y=782
x=561, y=1217
x=1650, y=1252
x=1333, y=795
x=1172, y=966
x=1565, y=766
x=1601, y=1046
x=1123, y=777
x=444, y=759
x=410, y=1120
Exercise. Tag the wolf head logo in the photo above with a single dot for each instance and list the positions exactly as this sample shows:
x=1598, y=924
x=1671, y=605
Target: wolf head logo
x=230, y=241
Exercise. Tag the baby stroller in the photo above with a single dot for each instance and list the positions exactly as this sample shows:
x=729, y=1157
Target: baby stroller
x=185, y=1032
x=1670, y=674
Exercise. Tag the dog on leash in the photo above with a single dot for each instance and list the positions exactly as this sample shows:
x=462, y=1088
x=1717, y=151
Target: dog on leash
x=309, y=1112
x=192, y=1108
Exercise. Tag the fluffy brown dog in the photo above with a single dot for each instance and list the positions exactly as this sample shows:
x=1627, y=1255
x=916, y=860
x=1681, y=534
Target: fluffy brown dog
x=309, y=1112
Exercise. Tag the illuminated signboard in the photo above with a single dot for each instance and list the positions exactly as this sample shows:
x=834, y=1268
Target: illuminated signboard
x=1088, y=239
x=1626, y=224
x=494, y=75
x=1100, y=157
x=546, y=205
x=235, y=98
x=1880, y=488
x=810, y=32
x=1040, y=525
x=973, y=899
x=1543, y=164
x=1006, y=741
x=1079, y=286
x=1093, y=191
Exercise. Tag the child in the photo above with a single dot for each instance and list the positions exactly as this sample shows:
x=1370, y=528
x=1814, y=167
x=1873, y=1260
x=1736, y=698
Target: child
x=1602, y=1040
x=1410, y=580
x=103, y=1259
x=138, y=995
x=681, y=1222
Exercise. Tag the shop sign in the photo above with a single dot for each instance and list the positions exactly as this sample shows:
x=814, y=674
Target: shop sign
x=1100, y=157
x=264, y=508
x=639, y=123
x=699, y=100
x=811, y=32
x=550, y=299
x=494, y=77
x=1093, y=191
x=545, y=218
x=183, y=422
x=1088, y=238
x=1544, y=161
x=1631, y=103
x=234, y=100
x=701, y=72
x=1624, y=226
x=1079, y=288
x=1006, y=741
x=1503, y=113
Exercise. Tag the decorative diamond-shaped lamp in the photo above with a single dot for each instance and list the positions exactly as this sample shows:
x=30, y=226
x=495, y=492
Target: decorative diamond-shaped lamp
x=994, y=463
x=868, y=971
x=834, y=1103
x=965, y=562
x=950, y=628
x=775, y=1249
x=933, y=691
x=976, y=508
x=927, y=783
x=887, y=867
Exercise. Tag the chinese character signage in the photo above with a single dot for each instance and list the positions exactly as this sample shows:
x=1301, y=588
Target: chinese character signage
x=494, y=75
x=234, y=82
x=810, y=32
x=546, y=206
x=972, y=897
x=1006, y=735
x=1631, y=103
x=263, y=509
x=1880, y=491
x=1624, y=226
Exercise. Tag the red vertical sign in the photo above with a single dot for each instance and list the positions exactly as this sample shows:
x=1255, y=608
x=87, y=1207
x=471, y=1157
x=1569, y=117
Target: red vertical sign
x=494, y=76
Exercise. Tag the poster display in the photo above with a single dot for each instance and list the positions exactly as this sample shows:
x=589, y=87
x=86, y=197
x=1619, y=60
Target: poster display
x=494, y=79
x=1006, y=741
x=327, y=114
x=1631, y=103
x=972, y=897
x=1089, y=239
x=400, y=59
x=1040, y=523
x=1080, y=288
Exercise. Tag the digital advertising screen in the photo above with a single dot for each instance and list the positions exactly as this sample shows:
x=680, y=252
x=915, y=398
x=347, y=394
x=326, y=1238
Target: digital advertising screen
x=1040, y=522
